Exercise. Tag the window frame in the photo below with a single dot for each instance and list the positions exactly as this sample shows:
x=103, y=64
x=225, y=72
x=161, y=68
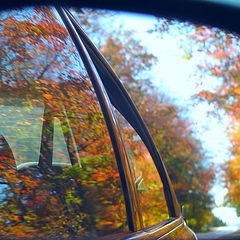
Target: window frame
x=115, y=91
x=110, y=121
x=109, y=90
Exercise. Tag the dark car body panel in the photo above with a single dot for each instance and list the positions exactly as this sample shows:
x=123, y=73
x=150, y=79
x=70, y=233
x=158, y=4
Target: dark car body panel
x=110, y=90
x=172, y=229
x=198, y=11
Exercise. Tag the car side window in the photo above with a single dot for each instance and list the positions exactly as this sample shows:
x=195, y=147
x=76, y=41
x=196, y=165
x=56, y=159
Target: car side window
x=146, y=177
x=58, y=174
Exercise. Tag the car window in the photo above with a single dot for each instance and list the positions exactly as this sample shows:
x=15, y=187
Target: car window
x=149, y=186
x=59, y=177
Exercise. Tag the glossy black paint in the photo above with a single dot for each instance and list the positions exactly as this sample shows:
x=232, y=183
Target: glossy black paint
x=197, y=11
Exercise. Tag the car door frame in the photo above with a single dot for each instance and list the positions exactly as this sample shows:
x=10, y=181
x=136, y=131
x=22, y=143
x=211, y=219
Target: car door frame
x=109, y=90
x=132, y=212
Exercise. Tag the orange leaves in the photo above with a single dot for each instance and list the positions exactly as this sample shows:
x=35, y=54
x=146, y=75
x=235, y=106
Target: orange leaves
x=220, y=55
x=103, y=174
x=29, y=39
x=34, y=28
x=224, y=67
x=44, y=71
x=48, y=96
x=237, y=90
x=207, y=95
x=18, y=231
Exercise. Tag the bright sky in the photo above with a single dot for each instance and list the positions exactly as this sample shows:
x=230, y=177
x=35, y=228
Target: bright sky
x=175, y=76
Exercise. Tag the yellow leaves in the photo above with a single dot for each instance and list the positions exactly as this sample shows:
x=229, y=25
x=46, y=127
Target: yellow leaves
x=24, y=123
x=219, y=55
x=71, y=197
x=36, y=30
x=41, y=81
x=200, y=30
x=192, y=221
x=104, y=225
x=187, y=56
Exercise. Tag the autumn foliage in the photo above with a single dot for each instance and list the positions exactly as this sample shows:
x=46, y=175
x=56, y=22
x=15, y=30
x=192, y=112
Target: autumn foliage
x=58, y=180
x=221, y=53
x=63, y=181
x=172, y=132
x=223, y=63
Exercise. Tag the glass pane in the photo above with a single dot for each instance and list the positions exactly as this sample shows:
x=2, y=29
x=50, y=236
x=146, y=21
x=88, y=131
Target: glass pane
x=148, y=183
x=21, y=125
x=58, y=175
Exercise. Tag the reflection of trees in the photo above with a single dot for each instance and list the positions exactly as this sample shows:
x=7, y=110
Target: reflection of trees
x=147, y=180
x=40, y=69
x=60, y=202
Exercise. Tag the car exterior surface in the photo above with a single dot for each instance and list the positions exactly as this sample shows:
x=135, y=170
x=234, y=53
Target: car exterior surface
x=77, y=161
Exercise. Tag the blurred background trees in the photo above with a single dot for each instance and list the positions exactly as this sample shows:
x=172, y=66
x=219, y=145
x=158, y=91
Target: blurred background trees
x=221, y=63
x=223, y=51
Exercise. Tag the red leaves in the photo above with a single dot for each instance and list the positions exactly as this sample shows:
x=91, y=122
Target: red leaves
x=103, y=174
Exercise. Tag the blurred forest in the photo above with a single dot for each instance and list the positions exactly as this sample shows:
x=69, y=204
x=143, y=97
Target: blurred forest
x=222, y=54
x=223, y=50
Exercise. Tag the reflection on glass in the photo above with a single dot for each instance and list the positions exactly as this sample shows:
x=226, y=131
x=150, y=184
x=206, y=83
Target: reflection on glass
x=58, y=176
x=147, y=180
x=21, y=122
